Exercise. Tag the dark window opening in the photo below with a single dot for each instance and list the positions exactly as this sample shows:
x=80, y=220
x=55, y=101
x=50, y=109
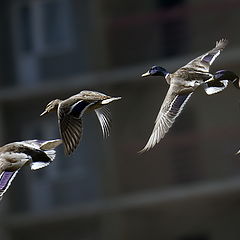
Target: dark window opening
x=174, y=30
x=26, y=29
x=53, y=23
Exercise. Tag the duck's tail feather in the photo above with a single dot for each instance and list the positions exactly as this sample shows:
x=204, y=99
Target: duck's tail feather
x=220, y=80
x=6, y=179
x=215, y=86
x=43, y=160
x=38, y=165
x=228, y=75
x=44, y=153
x=108, y=100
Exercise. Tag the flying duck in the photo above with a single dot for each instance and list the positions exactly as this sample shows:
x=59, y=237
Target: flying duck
x=14, y=156
x=71, y=110
x=182, y=83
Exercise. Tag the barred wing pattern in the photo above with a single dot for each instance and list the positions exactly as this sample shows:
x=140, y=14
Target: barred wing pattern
x=70, y=125
x=6, y=179
x=171, y=108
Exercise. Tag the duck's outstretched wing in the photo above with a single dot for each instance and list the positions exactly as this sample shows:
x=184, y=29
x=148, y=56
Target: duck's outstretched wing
x=203, y=62
x=6, y=179
x=104, y=118
x=169, y=111
x=71, y=132
x=70, y=124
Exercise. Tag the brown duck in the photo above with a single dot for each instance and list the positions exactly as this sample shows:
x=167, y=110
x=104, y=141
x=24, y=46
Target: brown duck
x=71, y=110
x=14, y=156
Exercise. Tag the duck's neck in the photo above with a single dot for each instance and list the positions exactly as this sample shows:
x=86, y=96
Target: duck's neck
x=164, y=73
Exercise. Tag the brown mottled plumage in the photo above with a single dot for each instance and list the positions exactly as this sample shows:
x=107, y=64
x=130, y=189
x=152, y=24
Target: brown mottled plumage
x=71, y=110
x=14, y=156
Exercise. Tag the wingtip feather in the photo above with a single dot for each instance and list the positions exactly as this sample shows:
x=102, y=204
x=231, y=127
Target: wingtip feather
x=143, y=150
x=221, y=44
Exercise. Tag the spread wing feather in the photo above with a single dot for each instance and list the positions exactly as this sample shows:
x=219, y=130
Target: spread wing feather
x=170, y=110
x=203, y=62
x=104, y=117
x=6, y=179
x=70, y=130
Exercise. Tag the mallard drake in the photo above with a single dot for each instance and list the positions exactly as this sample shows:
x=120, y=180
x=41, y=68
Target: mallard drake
x=183, y=83
x=71, y=110
x=14, y=156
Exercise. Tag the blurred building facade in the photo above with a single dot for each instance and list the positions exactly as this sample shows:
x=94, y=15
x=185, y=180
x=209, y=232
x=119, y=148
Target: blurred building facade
x=187, y=187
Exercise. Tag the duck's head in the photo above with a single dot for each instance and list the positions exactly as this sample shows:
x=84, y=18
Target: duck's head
x=53, y=105
x=156, y=71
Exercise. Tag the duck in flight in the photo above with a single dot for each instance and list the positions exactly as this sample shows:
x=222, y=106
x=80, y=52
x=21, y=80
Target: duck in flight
x=71, y=110
x=14, y=156
x=183, y=83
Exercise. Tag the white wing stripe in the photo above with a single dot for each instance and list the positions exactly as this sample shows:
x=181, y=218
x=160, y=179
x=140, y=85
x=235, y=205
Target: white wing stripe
x=5, y=181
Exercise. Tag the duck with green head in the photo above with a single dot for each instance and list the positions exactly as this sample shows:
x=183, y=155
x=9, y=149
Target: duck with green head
x=183, y=83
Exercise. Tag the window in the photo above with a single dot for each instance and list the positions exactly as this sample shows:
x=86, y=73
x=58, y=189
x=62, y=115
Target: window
x=175, y=25
x=40, y=29
x=25, y=28
x=55, y=24
x=43, y=26
x=51, y=23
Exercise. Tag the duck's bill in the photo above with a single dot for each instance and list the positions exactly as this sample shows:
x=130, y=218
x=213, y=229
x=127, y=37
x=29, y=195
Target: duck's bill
x=146, y=74
x=117, y=98
x=43, y=113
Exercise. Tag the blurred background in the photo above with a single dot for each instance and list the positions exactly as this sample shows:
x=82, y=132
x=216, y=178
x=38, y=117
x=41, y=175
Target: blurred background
x=187, y=187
